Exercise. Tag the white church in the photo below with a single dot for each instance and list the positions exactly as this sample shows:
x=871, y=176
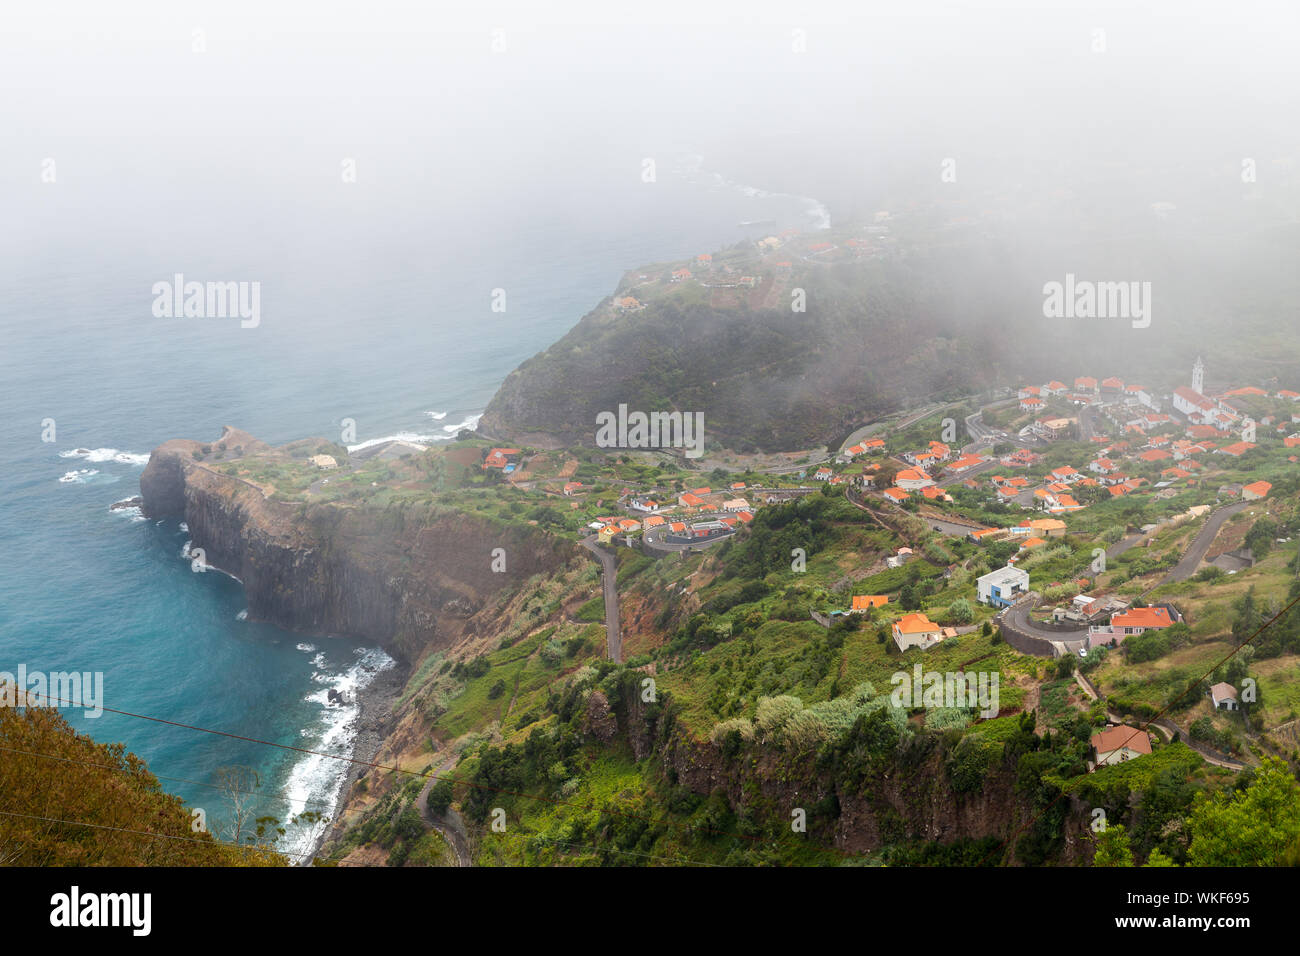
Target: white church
x=1199, y=408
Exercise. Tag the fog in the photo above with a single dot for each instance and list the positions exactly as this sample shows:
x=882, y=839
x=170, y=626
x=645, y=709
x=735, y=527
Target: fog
x=227, y=124
x=246, y=97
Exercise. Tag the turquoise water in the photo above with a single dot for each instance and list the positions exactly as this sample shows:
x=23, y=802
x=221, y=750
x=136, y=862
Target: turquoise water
x=382, y=318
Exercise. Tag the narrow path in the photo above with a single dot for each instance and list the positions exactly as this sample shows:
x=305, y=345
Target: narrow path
x=1168, y=729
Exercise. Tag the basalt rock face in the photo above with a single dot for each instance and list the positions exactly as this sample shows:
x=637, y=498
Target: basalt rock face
x=406, y=579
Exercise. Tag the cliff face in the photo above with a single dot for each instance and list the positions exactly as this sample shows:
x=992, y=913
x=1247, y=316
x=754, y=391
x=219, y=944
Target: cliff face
x=407, y=580
x=906, y=803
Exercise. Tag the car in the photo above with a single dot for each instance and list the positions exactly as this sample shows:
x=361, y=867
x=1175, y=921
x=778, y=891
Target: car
x=1082, y=652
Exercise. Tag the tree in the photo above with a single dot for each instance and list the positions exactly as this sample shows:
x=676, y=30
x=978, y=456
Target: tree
x=1260, y=537
x=1112, y=847
x=440, y=797
x=959, y=612
x=907, y=598
x=1248, y=618
x=237, y=786
x=1256, y=826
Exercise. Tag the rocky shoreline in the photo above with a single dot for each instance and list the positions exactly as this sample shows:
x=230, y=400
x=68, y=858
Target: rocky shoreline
x=373, y=722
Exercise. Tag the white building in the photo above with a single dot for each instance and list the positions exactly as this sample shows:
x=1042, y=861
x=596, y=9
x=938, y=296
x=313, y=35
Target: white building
x=1002, y=587
x=913, y=479
x=1118, y=744
x=1223, y=696
x=916, y=630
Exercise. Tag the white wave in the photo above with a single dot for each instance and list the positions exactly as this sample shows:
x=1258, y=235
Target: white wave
x=107, y=454
x=412, y=437
x=317, y=779
x=816, y=210
x=436, y=416
x=79, y=477
x=467, y=423
x=133, y=512
x=184, y=527
x=309, y=648
x=242, y=615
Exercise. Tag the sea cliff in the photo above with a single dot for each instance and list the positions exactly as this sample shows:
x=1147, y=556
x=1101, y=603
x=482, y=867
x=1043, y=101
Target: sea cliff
x=407, y=578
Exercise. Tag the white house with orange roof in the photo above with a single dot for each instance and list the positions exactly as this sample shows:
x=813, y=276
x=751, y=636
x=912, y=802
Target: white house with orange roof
x=916, y=630
x=1119, y=744
x=913, y=479
x=1256, y=490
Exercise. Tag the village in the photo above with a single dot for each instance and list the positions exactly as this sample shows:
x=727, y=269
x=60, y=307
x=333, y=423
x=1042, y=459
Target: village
x=1040, y=459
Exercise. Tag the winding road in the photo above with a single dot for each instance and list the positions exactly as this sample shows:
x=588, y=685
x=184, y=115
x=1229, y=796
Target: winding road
x=1017, y=617
x=451, y=825
x=1167, y=728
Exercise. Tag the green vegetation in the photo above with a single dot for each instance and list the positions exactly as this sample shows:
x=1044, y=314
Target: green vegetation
x=69, y=801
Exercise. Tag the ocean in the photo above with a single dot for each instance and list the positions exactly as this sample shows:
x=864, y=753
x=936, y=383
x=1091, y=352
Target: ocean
x=371, y=311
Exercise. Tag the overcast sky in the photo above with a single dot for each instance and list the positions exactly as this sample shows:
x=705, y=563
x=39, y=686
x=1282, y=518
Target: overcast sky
x=139, y=102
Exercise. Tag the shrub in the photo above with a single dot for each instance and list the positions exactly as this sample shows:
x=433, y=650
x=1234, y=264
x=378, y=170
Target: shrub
x=960, y=612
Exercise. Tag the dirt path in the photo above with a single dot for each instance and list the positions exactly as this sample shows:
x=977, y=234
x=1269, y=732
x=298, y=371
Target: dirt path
x=451, y=825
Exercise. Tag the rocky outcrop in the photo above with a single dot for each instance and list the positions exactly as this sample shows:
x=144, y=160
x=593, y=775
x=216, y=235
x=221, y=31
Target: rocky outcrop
x=405, y=577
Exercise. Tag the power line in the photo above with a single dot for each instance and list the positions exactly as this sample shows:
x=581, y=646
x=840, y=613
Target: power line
x=394, y=769
x=111, y=767
x=149, y=833
x=264, y=795
x=1143, y=729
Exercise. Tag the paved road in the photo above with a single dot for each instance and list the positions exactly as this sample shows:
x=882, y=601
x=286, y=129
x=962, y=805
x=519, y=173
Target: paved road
x=950, y=527
x=1123, y=544
x=613, y=637
x=1185, y=568
x=1085, y=424
x=866, y=431
x=1017, y=617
